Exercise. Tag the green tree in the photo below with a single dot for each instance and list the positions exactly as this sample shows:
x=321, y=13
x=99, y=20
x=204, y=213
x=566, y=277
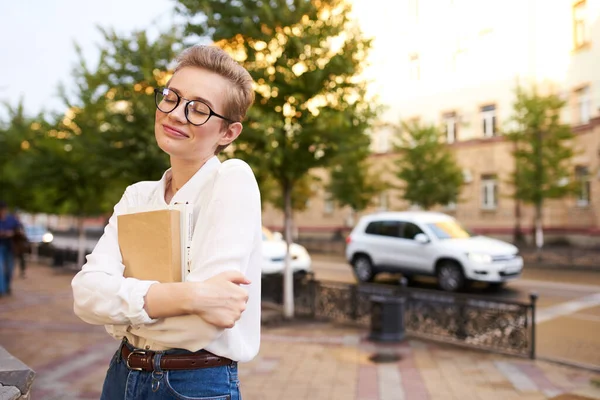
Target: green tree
x=352, y=181
x=427, y=168
x=16, y=135
x=542, y=148
x=104, y=140
x=305, y=57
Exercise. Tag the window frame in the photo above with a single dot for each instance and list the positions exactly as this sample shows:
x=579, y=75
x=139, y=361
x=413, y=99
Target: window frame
x=489, y=186
x=581, y=33
x=583, y=104
x=450, y=118
x=489, y=114
x=584, y=182
x=414, y=67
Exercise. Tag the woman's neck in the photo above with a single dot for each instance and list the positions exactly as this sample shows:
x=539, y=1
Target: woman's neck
x=183, y=170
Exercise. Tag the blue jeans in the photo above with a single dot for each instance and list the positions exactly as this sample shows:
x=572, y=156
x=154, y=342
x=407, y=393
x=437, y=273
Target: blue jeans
x=6, y=268
x=216, y=383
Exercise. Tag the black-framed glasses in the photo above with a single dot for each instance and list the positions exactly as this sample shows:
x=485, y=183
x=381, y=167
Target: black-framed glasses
x=197, y=112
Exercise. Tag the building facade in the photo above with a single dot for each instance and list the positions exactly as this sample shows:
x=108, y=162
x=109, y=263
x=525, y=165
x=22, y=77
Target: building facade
x=457, y=63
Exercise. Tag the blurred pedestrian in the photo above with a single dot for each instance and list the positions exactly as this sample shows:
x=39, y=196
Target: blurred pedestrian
x=20, y=246
x=8, y=228
x=184, y=340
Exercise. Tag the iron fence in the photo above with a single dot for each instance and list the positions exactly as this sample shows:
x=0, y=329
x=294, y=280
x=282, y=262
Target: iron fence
x=499, y=325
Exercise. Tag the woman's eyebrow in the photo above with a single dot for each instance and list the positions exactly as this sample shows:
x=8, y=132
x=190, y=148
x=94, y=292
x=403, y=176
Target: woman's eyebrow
x=202, y=99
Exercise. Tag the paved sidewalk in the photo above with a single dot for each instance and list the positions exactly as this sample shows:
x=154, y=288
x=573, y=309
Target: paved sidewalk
x=297, y=360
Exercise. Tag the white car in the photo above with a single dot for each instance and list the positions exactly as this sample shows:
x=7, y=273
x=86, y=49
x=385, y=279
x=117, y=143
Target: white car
x=429, y=243
x=274, y=250
x=38, y=234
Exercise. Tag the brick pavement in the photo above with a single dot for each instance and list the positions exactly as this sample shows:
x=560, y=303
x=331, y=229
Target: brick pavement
x=297, y=360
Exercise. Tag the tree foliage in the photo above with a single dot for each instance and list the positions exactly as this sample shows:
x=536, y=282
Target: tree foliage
x=79, y=162
x=305, y=57
x=352, y=180
x=427, y=168
x=543, y=147
x=17, y=135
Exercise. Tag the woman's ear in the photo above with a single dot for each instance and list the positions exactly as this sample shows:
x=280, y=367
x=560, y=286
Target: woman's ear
x=232, y=132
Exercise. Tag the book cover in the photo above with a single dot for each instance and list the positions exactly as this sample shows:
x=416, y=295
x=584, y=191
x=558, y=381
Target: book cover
x=151, y=245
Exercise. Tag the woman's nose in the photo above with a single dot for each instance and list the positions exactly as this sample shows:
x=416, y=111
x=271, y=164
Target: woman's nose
x=178, y=114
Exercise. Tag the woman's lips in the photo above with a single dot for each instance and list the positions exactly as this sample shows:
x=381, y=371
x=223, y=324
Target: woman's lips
x=174, y=132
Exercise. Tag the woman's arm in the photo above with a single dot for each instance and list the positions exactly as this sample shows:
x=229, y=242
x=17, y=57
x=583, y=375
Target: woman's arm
x=101, y=294
x=228, y=233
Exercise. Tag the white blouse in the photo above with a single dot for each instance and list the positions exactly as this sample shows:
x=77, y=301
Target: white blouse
x=227, y=236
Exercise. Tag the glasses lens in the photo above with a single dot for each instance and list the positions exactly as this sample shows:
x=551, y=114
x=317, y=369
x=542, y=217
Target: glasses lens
x=166, y=100
x=198, y=112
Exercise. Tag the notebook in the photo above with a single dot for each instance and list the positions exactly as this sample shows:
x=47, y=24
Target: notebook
x=155, y=242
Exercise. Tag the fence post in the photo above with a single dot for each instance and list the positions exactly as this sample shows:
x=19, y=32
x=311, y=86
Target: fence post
x=533, y=298
x=312, y=288
x=354, y=302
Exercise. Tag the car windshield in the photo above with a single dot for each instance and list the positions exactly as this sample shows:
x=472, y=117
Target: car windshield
x=449, y=229
x=267, y=234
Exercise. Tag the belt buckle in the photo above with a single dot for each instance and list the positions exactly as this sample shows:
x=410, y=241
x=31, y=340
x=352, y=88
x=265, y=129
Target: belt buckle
x=140, y=352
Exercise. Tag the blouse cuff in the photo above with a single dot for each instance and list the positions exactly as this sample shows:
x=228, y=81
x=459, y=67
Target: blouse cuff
x=137, y=312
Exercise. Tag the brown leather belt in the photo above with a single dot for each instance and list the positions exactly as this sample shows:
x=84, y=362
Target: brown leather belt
x=143, y=360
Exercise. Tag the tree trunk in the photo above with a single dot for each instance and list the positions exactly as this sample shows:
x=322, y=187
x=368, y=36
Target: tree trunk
x=80, y=242
x=539, y=233
x=288, y=278
x=518, y=237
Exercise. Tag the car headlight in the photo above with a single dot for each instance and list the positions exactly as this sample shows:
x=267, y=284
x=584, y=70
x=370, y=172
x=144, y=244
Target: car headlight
x=480, y=258
x=48, y=237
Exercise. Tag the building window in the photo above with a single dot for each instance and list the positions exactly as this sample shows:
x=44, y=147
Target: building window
x=414, y=67
x=328, y=207
x=383, y=141
x=383, y=201
x=581, y=33
x=488, y=118
x=489, y=192
x=584, y=106
x=450, y=125
x=582, y=176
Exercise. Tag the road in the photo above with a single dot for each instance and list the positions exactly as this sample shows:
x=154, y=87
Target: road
x=568, y=307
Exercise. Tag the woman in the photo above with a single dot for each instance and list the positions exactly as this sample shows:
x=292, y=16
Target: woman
x=183, y=340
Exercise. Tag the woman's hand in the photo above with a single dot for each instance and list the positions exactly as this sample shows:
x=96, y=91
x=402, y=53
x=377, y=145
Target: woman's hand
x=220, y=300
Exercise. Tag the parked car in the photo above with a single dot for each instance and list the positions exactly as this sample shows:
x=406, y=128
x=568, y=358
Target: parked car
x=38, y=234
x=429, y=243
x=274, y=250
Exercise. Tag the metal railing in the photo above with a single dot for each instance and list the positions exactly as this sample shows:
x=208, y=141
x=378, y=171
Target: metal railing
x=504, y=326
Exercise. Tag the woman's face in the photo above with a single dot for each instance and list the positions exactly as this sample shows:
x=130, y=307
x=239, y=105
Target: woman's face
x=180, y=139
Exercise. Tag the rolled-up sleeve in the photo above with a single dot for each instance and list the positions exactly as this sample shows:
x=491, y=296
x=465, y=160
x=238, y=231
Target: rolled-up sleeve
x=102, y=296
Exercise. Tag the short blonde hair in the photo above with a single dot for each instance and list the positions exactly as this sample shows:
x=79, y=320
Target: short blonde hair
x=240, y=94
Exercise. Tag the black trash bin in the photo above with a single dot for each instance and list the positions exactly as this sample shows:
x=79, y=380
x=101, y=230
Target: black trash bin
x=387, y=319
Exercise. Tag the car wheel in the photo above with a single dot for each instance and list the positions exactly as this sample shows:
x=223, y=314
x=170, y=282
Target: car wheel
x=450, y=277
x=363, y=268
x=300, y=274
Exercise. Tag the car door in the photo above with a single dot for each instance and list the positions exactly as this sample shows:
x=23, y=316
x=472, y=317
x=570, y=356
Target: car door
x=381, y=237
x=409, y=253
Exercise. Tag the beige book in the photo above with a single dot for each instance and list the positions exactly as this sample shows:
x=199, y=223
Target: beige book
x=151, y=245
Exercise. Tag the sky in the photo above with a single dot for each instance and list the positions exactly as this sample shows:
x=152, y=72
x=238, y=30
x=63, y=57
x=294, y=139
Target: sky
x=37, y=41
